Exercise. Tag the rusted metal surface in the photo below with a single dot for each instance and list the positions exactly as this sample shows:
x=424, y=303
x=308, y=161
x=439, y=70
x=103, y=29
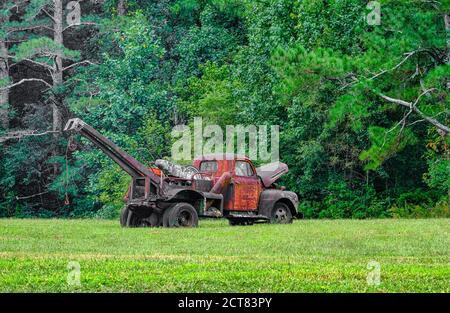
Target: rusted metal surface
x=226, y=184
x=269, y=197
x=271, y=172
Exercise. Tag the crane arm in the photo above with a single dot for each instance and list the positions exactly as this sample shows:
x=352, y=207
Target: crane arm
x=129, y=164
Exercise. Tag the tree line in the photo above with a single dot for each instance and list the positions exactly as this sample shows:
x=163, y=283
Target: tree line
x=363, y=107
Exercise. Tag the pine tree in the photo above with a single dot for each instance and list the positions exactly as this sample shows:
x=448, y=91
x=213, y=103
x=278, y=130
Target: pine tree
x=49, y=52
x=4, y=73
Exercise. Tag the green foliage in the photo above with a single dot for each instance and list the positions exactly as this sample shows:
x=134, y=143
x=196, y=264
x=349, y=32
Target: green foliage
x=438, y=210
x=344, y=202
x=34, y=8
x=43, y=46
x=304, y=73
x=113, y=183
x=209, y=42
x=211, y=96
x=385, y=144
x=126, y=84
x=332, y=24
x=437, y=176
x=438, y=162
x=154, y=138
x=313, y=67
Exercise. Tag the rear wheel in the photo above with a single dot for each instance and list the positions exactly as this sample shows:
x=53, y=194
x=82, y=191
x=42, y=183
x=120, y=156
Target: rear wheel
x=165, y=218
x=180, y=215
x=124, y=216
x=154, y=219
x=129, y=218
x=281, y=214
x=133, y=220
x=136, y=220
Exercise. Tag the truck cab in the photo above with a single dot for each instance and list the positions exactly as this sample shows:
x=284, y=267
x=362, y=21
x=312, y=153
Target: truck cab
x=251, y=194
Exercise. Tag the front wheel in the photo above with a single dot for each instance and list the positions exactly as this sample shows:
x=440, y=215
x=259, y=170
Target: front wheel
x=180, y=215
x=281, y=214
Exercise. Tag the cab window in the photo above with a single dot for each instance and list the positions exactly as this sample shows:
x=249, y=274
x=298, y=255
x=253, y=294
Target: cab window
x=243, y=168
x=208, y=167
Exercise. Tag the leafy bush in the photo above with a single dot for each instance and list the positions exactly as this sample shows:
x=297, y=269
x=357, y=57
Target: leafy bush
x=440, y=209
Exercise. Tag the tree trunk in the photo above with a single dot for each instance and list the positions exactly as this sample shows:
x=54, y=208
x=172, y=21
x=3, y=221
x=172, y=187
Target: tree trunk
x=447, y=28
x=4, y=93
x=58, y=70
x=121, y=7
x=4, y=75
x=57, y=74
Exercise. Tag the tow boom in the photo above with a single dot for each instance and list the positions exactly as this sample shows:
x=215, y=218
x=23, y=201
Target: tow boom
x=129, y=164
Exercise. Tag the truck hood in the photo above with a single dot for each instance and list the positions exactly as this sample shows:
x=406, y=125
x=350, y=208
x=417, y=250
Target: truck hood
x=271, y=172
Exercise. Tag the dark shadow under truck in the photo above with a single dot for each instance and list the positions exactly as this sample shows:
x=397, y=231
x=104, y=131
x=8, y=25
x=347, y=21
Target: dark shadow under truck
x=219, y=185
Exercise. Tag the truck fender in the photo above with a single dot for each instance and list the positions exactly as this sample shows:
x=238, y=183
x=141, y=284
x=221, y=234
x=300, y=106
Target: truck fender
x=270, y=197
x=193, y=197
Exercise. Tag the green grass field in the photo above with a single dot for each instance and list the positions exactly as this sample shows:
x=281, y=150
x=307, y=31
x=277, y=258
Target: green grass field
x=307, y=256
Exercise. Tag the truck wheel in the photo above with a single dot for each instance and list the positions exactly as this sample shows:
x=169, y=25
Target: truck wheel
x=124, y=216
x=135, y=220
x=154, y=219
x=165, y=217
x=132, y=220
x=181, y=215
x=281, y=214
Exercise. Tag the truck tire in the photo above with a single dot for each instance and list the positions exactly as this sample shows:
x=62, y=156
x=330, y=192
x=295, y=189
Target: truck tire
x=124, y=216
x=136, y=220
x=165, y=217
x=154, y=220
x=281, y=214
x=180, y=215
x=132, y=220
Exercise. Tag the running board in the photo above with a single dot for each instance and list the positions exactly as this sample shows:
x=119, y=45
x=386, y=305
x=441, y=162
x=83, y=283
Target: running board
x=247, y=217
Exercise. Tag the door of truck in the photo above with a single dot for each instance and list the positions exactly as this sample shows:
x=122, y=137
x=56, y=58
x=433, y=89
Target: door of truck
x=246, y=186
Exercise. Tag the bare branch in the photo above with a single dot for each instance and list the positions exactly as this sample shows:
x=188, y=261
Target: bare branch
x=26, y=80
x=413, y=106
x=32, y=196
x=79, y=63
x=37, y=12
x=408, y=55
x=49, y=15
x=28, y=28
x=24, y=133
x=79, y=24
x=47, y=66
x=423, y=120
x=396, y=101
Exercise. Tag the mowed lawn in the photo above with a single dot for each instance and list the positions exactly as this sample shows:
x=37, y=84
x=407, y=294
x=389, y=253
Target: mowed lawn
x=307, y=256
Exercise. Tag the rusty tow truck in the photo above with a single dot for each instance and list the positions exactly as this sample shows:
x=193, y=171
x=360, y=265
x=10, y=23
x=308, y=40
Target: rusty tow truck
x=218, y=185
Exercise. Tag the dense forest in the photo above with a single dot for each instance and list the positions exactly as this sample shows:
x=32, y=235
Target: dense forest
x=361, y=98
